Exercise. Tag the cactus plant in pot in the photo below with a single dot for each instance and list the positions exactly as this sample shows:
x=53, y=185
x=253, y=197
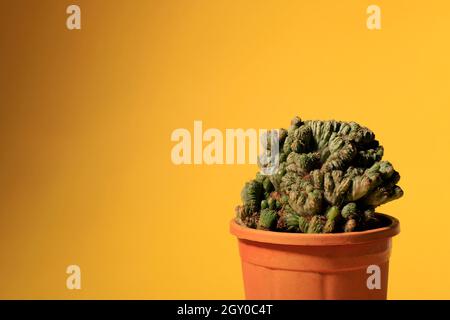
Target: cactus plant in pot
x=309, y=229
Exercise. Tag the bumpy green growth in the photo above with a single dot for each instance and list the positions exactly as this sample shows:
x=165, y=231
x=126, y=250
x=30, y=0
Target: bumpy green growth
x=333, y=216
x=267, y=219
x=317, y=224
x=350, y=210
x=330, y=178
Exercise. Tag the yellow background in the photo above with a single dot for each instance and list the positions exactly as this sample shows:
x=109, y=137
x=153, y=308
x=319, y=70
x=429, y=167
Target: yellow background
x=86, y=118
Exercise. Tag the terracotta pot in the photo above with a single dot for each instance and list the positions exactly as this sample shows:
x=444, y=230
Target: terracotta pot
x=281, y=265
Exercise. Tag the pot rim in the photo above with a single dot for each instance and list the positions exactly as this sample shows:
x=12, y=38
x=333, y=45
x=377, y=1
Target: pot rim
x=311, y=239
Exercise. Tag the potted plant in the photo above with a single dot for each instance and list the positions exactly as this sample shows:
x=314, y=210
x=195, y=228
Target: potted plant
x=309, y=229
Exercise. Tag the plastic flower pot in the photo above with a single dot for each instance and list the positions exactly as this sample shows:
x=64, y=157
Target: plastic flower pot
x=281, y=265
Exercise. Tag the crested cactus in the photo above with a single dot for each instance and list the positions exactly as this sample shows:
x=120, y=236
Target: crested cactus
x=330, y=178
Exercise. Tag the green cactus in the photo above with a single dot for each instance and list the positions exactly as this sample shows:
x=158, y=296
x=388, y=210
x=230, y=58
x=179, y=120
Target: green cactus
x=330, y=178
x=264, y=204
x=333, y=216
x=251, y=196
x=317, y=224
x=288, y=220
x=350, y=210
x=303, y=223
x=267, y=219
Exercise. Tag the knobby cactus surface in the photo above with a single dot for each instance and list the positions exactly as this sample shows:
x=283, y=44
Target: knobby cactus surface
x=330, y=178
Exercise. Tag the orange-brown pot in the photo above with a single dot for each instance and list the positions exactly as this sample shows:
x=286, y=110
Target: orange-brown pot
x=281, y=265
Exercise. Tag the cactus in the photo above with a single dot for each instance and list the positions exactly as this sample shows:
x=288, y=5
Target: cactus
x=330, y=178
x=267, y=219
x=288, y=219
x=317, y=224
x=333, y=216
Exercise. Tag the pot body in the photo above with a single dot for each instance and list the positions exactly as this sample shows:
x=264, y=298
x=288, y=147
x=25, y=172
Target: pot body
x=278, y=265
